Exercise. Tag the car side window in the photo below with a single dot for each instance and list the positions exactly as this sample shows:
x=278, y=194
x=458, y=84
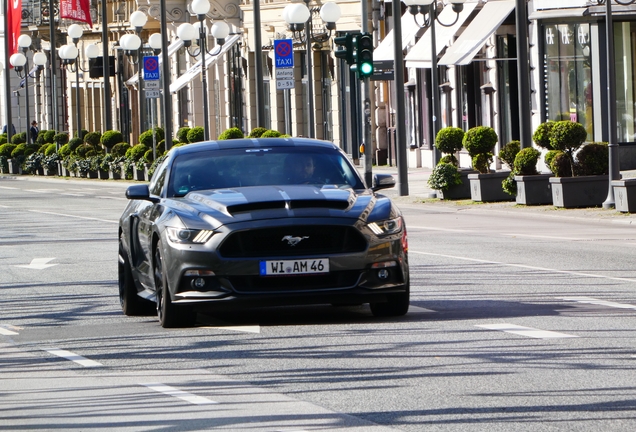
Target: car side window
x=158, y=180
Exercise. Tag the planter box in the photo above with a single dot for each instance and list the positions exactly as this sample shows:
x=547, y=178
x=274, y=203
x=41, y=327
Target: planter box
x=50, y=172
x=461, y=191
x=139, y=174
x=534, y=189
x=102, y=175
x=91, y=174
x=114, y=175
x=625, y=195
x=582, y=191
x=488, y=188
x=14, y=166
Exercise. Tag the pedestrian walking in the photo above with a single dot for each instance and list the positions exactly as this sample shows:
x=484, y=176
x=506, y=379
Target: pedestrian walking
x=35, y=130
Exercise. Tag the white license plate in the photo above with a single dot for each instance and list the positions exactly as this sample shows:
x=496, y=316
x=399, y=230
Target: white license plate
x=295, y=267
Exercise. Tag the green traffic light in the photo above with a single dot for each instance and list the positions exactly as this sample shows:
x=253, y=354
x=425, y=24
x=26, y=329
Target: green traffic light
x=366, y=69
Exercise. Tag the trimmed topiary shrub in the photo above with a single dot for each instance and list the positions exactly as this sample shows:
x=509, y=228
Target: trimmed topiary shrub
x=592, y=159
x=257, y=132
x=232, y=133
x=51, y=149
x=6, y=149
x=61, y=138
x=182, y=134
x=146, y=138
x=568, y=137
x=42, y=148
x=541, y=136
x=137, y=152
x=20, y=150
x=449, y=140
x=87, y=150
x=19, y=138
x=148, y=156
x=195, y=134
x=443, y=176
x=120, y=149
x=508, y=153
x=93, y=138
x=479, y=141
x=65, y=151
x=3, y=139
x=160, y=134
x=83, y=134
x=525, y=162
x=75, y=143
x=49, y=136
x=271, y=134
x=110, y=138
x=561, y=165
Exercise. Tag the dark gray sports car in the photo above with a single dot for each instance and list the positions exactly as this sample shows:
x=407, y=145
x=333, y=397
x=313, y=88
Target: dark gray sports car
x=257, y=222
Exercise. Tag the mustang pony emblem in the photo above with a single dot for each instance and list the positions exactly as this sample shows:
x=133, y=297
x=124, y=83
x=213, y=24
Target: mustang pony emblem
x=293, y=241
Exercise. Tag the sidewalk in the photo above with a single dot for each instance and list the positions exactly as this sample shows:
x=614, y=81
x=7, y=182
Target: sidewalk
x=421, y=194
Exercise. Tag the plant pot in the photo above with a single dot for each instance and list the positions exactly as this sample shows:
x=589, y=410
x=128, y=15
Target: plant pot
x=534, y=189
x=14, y=166
x=114, y=175
x=91, y=174
x=461, y=191
x=49, y=172
x=39, y=171
x=488, y=188
x=139, y=174
x=625, y=195
x=102, y=175
x=582, y=191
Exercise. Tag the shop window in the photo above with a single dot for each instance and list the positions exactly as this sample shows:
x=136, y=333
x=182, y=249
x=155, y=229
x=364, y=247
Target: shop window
x=625, y=53
x=568, y=74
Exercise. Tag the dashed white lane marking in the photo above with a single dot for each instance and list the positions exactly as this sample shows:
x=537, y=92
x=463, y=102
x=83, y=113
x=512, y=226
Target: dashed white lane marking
x=7, y=187
x=526, y=331
x=74, y=216
x=573, y=273
x=590, y=300
x=73, y=194
x=246, y=329
x=171, y=391
x=74, y=357
x=7, y=332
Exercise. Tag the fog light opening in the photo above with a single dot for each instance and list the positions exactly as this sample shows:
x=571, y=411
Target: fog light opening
x=199, y=283
x=383, y=274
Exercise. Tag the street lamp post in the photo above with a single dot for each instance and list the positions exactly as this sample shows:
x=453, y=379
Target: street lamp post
x=187, y=32
x=138, y=20
x=297, y=16
x=20, y=62
x=614, y=163
x=429, y=9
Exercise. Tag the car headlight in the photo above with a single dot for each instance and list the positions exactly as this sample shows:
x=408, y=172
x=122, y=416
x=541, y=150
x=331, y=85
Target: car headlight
x=183, y=235
x=386, y=227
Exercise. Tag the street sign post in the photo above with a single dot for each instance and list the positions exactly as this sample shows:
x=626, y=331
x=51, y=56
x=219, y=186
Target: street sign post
x=284, y=62
x=151, y=68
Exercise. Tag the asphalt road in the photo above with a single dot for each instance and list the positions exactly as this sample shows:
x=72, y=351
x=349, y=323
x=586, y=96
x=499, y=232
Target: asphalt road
x=521, y=320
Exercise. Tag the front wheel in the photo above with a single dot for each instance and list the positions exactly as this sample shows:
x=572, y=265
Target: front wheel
x=169, y=314
x=396, y=305
x=131, y=303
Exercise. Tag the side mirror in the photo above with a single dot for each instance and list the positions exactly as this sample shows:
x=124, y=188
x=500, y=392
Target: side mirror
x=382, y=181
x=140, y=192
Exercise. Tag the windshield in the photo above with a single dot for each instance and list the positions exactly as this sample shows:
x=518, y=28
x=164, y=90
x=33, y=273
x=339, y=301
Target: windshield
x=231, y=168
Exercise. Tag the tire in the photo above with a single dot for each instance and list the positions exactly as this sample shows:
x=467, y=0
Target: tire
x=131, y=303
x=169, y=314
x=396, y=305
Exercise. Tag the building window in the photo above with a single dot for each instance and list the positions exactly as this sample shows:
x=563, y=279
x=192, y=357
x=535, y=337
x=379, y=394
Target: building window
x=568, y=74
x=625, y=54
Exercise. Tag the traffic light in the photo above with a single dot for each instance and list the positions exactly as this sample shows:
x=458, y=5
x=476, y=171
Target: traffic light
x=345, y=47
x=364, y=55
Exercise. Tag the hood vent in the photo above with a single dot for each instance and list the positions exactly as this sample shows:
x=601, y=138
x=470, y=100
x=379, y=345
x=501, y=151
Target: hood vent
x=292, y=205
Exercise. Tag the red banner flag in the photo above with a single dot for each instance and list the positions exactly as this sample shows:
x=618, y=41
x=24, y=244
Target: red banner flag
x=78, y=10
x=14, y=22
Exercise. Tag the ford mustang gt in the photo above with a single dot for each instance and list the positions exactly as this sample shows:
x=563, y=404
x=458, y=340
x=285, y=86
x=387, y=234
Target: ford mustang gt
x=260, y=222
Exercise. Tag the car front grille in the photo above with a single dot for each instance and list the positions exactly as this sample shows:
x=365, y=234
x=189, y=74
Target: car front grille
x=300, y=283
x=280, y=241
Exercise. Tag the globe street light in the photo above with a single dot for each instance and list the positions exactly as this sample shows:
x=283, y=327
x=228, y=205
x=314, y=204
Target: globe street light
x=20, y=63
x=430, y=9
x=299, y=18
x=138, y=20
x=70, y=57
x=187, y=32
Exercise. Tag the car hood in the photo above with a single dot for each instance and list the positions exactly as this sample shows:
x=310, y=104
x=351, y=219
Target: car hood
x=224, y=206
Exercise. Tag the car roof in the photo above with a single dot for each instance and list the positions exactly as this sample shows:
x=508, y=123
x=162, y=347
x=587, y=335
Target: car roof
x=254, y=143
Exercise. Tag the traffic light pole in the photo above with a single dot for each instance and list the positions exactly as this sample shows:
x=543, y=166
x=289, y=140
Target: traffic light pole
x=367, y=160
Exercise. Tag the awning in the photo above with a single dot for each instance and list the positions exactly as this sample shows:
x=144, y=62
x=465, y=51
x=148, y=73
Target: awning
x=172, y=48
x=559, y=13
x=195, y=70
x=384, y=50
x=478, y=31
x=420, y=55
